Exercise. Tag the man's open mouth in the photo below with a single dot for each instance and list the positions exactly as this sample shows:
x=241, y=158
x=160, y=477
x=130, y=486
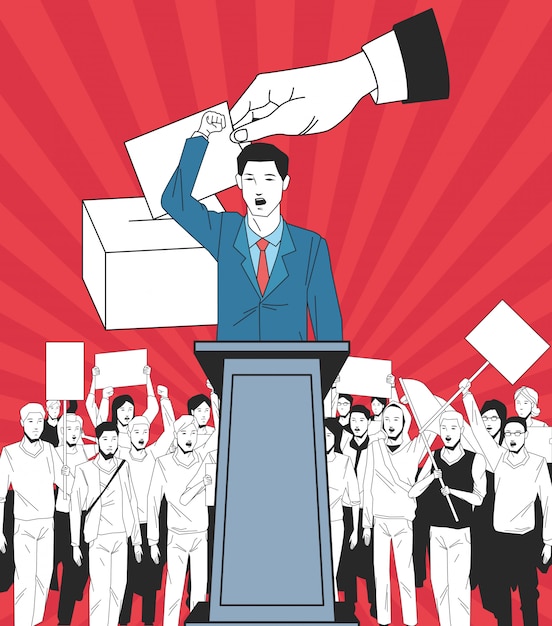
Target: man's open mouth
x=260, y=201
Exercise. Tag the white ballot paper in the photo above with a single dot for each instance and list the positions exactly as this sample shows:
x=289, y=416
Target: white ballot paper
x=65, y=370
x=121, y=369
x=365, y=377
x=210, y=470
x=506, y=340
x=156, y=155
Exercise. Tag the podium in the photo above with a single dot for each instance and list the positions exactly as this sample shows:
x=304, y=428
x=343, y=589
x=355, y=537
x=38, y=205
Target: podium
x=271, y=551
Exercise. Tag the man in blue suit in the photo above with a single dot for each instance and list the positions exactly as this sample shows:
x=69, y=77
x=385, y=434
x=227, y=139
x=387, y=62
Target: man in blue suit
x=269, y=272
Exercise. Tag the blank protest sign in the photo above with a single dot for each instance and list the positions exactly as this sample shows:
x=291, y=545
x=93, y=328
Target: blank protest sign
x=365, y=377
x=65, y=370
x=539, y=441
x=156, y=155
x=121, y=369
x=506, y=340
x=210, y=470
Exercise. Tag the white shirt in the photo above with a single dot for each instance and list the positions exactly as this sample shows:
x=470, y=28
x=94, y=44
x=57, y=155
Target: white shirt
x=75, y=456
x=389, y=476
x=384, y=55
x=516, y=489
x=32, y=478
x=171, y=478
x=342, y=485
x=351, y=452
x=110, y=504
x=141, y=469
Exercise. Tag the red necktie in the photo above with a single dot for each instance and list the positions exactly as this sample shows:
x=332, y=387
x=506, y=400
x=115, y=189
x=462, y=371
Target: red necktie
x=262, y=270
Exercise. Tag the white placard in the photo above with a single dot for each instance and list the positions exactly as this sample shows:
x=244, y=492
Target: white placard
x=211, y=470
x=506, y=340
x=64, y=370
x=365, y=377
x=121, y=369
x=156, y=155
x=539, y=441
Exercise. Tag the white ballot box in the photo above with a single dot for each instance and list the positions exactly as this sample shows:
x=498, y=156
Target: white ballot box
x=144, y=273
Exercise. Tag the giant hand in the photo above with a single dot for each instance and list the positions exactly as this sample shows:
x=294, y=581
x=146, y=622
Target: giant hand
x=301, y=101
x=407, y=64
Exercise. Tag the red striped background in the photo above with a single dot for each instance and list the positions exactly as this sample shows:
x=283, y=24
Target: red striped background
x=433, y=212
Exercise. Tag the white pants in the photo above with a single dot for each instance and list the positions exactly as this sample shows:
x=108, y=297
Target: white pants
x=450, y=561
x=33, y=551
x=337, y=530
x=180, y=549
x=108, y=577
x=396, y=531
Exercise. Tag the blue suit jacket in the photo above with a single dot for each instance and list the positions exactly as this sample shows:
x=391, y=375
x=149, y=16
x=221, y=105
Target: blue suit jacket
x=301, y=278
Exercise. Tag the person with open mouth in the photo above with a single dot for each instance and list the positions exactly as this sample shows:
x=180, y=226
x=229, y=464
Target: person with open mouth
x=520, y=477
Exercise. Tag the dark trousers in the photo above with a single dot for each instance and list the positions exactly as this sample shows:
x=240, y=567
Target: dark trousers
x=355, y=563
x=74, y=577
x=210, y=541
x=144, y=579
x=518, y=568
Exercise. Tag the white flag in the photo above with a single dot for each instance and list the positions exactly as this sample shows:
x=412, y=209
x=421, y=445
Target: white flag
x=506, y=340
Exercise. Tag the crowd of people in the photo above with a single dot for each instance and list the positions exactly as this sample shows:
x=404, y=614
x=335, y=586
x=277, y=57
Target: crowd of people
x=479, y=506
x=124, y=506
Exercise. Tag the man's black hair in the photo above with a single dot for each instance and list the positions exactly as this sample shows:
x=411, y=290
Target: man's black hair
x=501, y=411
x=196, y=401
x=498, y=406
x=346, y=396
x=118, y=403
x=360, y=408
x=263, y=152
x=72, y=406
x=515, y=420
x=105, y=427
x=333, y=425
x=383, y=401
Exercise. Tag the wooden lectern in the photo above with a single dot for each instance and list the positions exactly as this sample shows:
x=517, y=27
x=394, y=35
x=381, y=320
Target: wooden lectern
x=271, y=552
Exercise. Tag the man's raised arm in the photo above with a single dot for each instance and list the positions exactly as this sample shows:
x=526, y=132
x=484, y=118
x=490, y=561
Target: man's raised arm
x=177, y=200
x=491, y=450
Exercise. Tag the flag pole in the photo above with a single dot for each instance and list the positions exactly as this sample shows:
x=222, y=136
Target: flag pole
x=65, y=447
x=449, y=402
x=428, y=449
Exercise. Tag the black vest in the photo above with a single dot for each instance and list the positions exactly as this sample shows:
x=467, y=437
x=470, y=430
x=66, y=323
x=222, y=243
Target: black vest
x=457, y=476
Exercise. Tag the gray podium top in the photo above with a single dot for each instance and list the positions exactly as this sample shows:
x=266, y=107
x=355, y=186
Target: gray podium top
x=331, y=354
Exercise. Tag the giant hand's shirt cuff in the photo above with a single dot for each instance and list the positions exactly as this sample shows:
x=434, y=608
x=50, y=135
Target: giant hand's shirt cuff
x=410, y=63
x=384, y=55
